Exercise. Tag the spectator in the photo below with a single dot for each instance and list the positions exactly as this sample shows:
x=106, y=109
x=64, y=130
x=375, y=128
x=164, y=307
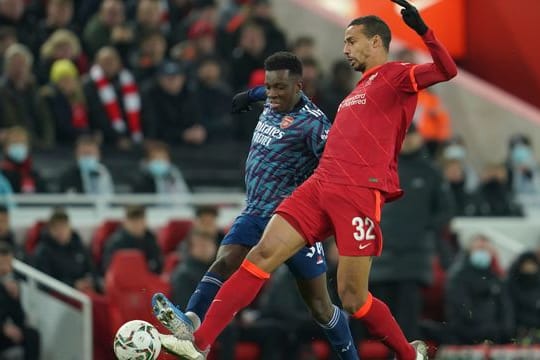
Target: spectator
x=263, y=15
x=478, y=307
x=524, y=289
x=340, y=85
x=17, y=164
x=107, y=28
x=311, y=79
x=158, y=175
x=523, y=170
x=8, y=37
x=6, y=234
x=147, y=18
x=12, y=13
x=433, y=121
x=455, y=149
x=62, y=44
x=113, y=100
x=88, y=175
x=13, y=329
x=5, y=192
x=148, y=56
x=206, y=220
x=216, y=119
x=295, y=338
x=411, y=237
x=62, y=103
x=59, y=15
x=496, y=197
x=304, y=47
x=62, y=255
x=200, y=253
x=134, y=234
x=170, y=112
x=248, y=55
x=18, y=95
x=466, y=203
x=201, y=42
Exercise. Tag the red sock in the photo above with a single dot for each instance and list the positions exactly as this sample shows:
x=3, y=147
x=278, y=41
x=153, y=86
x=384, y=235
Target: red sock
x=235, y=294
x=380, y=323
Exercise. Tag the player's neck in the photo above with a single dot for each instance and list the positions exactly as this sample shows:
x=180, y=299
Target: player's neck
x=375, y=62
x=296, y=100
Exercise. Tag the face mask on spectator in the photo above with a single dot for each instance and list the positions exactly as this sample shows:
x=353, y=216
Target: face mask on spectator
x=454, y=152
x=158, y=167
x=522, y=155
x=480, y=259
x=88, y=163
x=17, y=152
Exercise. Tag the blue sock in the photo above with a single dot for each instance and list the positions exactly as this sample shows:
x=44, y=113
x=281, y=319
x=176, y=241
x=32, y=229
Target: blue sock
x=337, y=331
x=202, y=297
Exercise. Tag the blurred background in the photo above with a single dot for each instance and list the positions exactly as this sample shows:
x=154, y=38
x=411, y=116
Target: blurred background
x=122, y=168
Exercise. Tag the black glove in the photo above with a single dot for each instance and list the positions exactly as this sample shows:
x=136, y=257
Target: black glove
x=241, y=103
x=412, y=17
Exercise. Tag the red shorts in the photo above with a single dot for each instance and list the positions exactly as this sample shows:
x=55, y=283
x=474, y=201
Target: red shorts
x=318, y=210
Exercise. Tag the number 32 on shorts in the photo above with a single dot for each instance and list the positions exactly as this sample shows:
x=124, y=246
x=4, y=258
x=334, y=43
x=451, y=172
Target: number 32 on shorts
x=363, y=228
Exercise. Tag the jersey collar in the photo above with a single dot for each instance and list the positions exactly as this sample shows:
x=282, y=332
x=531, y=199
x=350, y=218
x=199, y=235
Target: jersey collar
x=369, y=72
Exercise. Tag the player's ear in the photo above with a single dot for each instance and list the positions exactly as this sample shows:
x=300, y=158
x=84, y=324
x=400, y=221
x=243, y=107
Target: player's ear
x=376, y=41
x=299, y=85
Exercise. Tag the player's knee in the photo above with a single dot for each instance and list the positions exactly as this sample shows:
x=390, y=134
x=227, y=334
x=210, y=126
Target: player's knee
x=353, y=299
x=225, y=266
x=320, y=307
x=262, y=252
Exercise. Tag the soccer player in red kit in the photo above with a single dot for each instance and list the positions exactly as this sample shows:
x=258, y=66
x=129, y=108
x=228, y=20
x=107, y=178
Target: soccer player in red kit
x=356, y=175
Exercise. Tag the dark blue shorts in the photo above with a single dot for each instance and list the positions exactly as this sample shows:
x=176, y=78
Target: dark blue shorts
x=247, y=230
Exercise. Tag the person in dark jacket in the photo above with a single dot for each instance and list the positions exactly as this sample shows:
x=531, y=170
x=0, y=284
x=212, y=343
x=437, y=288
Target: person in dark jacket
x=13, y=329
x=411, y=237
x=523, y=285
x=88, y=175
x=199, y=253
x=216, y=119
x=170, y=112
x=496, y=196
x=62, y=255
x=6, y=233
x=478, y=307
x=134, y=234
x=17, y=164
x=158, y=175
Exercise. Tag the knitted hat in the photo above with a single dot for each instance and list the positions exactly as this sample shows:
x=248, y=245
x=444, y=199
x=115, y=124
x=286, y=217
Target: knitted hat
x=63, y=68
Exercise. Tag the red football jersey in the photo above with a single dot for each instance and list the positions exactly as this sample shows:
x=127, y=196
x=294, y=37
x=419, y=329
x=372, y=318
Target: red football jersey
x=364, y=142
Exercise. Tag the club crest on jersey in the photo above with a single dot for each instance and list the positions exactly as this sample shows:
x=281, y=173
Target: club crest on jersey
x=286, y=121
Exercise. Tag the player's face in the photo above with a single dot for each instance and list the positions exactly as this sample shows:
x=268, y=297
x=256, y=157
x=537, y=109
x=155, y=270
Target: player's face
x=357, y=47
x=282, y=90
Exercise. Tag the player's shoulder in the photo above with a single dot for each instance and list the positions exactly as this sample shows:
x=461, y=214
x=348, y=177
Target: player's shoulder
x=396, y=67
x=311, y=111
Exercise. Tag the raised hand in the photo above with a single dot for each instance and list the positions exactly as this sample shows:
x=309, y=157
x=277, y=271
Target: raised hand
x=241, y=103
x=412, y=17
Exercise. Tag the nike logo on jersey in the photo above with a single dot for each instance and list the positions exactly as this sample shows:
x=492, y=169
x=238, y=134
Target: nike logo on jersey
x=363, y=246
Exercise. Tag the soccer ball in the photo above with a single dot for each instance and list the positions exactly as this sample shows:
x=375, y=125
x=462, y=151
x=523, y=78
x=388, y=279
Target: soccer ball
x=137, y=340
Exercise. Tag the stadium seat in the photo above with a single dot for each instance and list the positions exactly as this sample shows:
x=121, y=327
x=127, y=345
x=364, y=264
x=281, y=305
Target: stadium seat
x=173, y=233
x=129, y=287
x=32, y=236
x=373, y=350
x=101, y=234
x=171, y=262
